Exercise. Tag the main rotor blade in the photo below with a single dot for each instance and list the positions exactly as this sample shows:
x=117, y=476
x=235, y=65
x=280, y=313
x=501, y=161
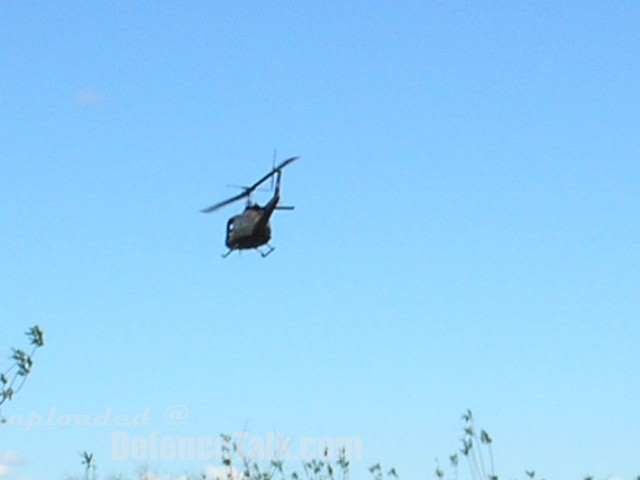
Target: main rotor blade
x=285, y=163
x=271, y=173
x=215, y=207
x=250, y=189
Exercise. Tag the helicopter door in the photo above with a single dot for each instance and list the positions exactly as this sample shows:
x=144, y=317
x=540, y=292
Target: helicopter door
x=239, y=226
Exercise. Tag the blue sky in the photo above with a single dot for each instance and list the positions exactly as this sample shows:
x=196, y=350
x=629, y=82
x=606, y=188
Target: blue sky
x=465, y=234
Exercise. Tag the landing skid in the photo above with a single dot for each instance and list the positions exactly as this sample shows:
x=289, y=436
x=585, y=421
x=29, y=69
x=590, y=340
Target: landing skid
x=268, y=252
x=264, y=254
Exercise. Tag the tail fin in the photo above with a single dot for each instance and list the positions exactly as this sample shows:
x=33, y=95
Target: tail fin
x=278, y=176
x=273, y=166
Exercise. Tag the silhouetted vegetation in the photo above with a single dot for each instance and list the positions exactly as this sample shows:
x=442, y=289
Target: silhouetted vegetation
x=476, y=449
x=236, y=466
x=13, y=378
x=478, y=454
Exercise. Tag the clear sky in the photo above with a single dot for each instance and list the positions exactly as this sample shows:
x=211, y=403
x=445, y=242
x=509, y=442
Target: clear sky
x=465, y=234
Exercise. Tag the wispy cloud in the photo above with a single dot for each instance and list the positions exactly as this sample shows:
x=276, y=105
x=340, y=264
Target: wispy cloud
x=9, y=458
x=213, y=472
x=89, y=97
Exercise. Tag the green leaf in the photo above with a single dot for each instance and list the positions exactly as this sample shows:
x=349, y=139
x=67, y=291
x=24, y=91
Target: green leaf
x=36, y=335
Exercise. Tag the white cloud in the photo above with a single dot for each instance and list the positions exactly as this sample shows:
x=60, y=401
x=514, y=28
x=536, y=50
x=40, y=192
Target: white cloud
x=8, y=458
x=89, y=97
x=213, y=472
x=11, y=457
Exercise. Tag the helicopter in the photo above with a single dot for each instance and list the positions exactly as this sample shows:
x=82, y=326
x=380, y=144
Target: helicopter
x=250, y=229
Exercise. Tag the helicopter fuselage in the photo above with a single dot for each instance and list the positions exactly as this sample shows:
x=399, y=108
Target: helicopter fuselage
x=250, y=229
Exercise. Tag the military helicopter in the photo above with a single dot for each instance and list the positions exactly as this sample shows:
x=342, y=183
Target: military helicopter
x=250, y=229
